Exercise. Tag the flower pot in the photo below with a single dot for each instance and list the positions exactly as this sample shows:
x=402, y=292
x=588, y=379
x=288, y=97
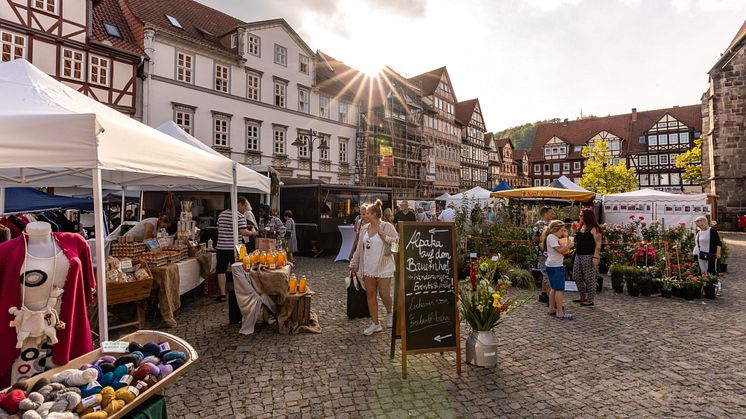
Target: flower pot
x=646, y=286
x=677, y=292
x=481, y=349
x=710, y=291
x=689, y=293
x=604, y=269
x=723, y=267
x=698, y=292
x=633, y=289
x=666, y=293
x=618, y=286
x=599, y=283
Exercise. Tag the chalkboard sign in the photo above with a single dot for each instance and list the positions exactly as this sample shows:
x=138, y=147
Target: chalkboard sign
x=427, y=289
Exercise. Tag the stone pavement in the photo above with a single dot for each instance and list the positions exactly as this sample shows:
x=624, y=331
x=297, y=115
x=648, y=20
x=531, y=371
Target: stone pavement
x=626, y=357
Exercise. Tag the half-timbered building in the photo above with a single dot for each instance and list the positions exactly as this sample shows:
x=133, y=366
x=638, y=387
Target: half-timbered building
x=54, y=35
x=474, y=151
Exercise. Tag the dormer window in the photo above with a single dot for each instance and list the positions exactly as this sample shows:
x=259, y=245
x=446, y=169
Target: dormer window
x=112, y=30
x=174, y=22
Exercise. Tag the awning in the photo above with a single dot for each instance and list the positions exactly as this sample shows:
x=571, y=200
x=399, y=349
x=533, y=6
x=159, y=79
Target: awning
x=547, y=193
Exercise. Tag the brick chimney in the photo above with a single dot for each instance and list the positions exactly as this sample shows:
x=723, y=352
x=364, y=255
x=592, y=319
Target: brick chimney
x=634, y=114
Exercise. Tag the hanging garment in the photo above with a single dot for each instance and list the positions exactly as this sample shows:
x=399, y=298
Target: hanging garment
x=75, y=339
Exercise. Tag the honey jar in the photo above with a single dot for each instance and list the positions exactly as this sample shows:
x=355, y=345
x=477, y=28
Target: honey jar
x=293, y=284
x=302, y=285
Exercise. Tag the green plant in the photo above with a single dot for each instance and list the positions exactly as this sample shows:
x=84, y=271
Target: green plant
x=617, y=272
x=521, y=278
x=669, y=282
x=601, y=175
x=724, y=253
x=481, y=304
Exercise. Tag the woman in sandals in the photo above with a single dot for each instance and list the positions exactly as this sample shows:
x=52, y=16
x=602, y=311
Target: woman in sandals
x=587, y=256
x=376, y=264
x=556, y=251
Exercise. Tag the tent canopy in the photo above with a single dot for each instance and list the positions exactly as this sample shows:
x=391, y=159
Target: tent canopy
x=546, y=192
x=651, y=195
x=475, y=194
x=443, y=197
x=565, y=183
x=667, y=208
x=245, y=178
x=502, y=186
x=52, y=135
x=30, y=199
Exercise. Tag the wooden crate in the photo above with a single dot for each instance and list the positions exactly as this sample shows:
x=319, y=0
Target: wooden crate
x=141, y=337
x=127, y=292
x=302, y=310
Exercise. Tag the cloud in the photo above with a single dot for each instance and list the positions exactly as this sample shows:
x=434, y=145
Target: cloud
x=549, y=5
x=410, y=8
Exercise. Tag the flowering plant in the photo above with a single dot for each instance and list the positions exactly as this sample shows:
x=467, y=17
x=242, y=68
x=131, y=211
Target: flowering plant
x=710, y=279
x=482, y=304
x=668, y=282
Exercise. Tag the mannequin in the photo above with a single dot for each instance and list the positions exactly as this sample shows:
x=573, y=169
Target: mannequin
x=40, y=243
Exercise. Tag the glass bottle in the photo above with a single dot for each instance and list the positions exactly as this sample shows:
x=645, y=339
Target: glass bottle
x=302, y=286
x=293, y=283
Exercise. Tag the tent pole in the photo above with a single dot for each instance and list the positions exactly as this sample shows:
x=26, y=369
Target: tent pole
x=98, y=211
x=124, y=204
x=141, y=210
x=2, y=200
x=234, y=202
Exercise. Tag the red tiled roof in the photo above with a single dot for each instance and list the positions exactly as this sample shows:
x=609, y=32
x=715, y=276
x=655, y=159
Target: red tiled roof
x=429, y=81
x=502, y=142
x=464, y=111
x=488, y=139
x=200, y=23
x=519, y=154
x=109, y=11
x=577, y=133
x=740, y=35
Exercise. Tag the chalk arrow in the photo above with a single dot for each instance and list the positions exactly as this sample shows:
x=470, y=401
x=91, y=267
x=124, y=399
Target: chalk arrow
x=439, y=338
x=433, y=231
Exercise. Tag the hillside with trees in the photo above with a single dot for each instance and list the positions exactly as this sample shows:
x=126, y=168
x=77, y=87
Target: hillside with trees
x=523, y=135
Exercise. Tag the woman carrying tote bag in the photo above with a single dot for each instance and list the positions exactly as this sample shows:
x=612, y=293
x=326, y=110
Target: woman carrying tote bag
x=707, y=246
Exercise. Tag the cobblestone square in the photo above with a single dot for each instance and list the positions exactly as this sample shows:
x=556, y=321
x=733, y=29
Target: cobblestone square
x=626, y=357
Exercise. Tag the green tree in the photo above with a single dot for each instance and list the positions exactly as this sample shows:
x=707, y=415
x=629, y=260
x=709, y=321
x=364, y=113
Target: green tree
x=523, y=135
x=600, y=175
x=691, y=162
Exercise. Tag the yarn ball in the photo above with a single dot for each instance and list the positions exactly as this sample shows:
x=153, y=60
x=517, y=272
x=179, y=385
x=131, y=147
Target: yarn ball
x=40, y=383
x=90, y=389
x=114, y=407
x=98, y=371
x=107, y=395
x=155, y=370
x=101, y=414
x=50, y=390
x=85, y=367
x=175, y=363
x=151, y=348
x=31, y=402
x=126, y=394
x=134, y=346
x=127, y=359
x=174, y=355
x=108, y=358
x=107, y=379
x=120, y=371
x=106, y=366
x=11, y=401
x=150, y=380
x=66, y=401
x=151, y=359
x=141, y=372
x=165, y=371
x=123, y=381
x=90, y=401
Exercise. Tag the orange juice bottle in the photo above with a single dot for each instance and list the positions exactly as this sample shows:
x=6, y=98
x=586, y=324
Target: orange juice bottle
x=302, y=286
x=281, y=258
x=252, y=258
x=263, y=258
x=272, y=259
x=293, y=284
x=246, y=261
x=241, y=252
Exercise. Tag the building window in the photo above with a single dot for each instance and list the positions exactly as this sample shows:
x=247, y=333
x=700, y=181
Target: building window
x=303, y=148
x=72, y=64
x=324, y=105
x=566, y=167
x=653, y=180
x=652, y=140
x=556, y=167
x=644, y=180
x=675, y=179
x=253, y=44
x=98, y=70
x=537, y=168
x=279, y=140
x=253, y=130
x=304, y=100
x=343, y=149
x=643, y=160
x=343, y=106
x=673, y=138
x=664, y=179
x=112, y=30
x=234, y=40
x=174, y=22
x=303, y=64
x=46, y=5
x=547, y=151
x=12, y=46
x=662, y=139
x=221, y=131
x=281, y=55
x=684, y=137
x=663, y=159
x=184, y=118
x=324, y=152
x=537, y=182
x=444, y=87
x=653, y=159
x=547, y=168
x=253, y=83
x=546, y=182
x=184, y=67
x=576, y=166
x=615, y=161
x=222, y=78
x=280, y=89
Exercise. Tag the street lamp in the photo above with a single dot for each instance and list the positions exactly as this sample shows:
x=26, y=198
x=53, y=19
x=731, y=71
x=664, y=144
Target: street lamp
x=312, y=136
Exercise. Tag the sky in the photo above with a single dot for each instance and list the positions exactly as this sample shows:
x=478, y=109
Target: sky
x=526, y=60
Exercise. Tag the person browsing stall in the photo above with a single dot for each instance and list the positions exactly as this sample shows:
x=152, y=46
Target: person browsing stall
x=404, y=214
x=547, y=215
x=449, y=214
x=555, y=264
x=587, y=257
x=375, y=264
x=268, y=222
x=148, y=228
x=707, y=246
x=225, y=247
x=422, y=216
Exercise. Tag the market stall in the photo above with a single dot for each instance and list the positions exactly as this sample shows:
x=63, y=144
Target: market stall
x=545, y=192
x=667, y=208
x=473, y=196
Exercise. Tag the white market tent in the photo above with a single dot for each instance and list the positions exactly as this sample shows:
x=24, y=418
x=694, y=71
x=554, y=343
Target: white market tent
x=53, y=135
x=443, y=197
x=565, y=183
x=474, y=195
x=668, y=208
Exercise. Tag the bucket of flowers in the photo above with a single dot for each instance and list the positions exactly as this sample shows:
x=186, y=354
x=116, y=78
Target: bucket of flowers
x=483, y=304
x=667, y=285
x=710, y=282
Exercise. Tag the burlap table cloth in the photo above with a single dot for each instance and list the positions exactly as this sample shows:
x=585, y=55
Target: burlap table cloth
x=167, y=280
x=276, y=284
x=205, y=260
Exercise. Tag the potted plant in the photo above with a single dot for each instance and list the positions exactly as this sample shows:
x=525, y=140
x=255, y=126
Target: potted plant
x=604, y=262
x=693, y=287
x=723, y=261
x=710, y=282
x=667, y=283
x=647, y=273
x=631, y=278
x=617, y=278
x=482, y=305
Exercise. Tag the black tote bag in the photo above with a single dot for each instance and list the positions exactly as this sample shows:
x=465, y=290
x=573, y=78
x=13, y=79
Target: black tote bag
x=357, y=300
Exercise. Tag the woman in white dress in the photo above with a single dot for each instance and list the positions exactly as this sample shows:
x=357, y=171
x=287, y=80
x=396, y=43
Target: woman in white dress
x=375, y=264
x=707, y=246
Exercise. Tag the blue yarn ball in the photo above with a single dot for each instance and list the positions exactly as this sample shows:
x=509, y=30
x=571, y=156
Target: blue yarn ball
x=106, y=379
x=176, y=363
x=170, y=356
x=90, y=389
x=120, y=372
x=151, y=348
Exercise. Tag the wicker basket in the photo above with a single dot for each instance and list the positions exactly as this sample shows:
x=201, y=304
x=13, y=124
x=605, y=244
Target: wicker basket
x=127, y=292
x=141, y=337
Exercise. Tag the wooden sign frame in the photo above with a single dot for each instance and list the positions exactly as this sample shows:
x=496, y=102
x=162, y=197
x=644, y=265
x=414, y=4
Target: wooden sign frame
x=398, y=331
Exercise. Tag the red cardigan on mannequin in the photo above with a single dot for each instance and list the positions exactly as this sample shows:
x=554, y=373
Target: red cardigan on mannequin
x=75, y=339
